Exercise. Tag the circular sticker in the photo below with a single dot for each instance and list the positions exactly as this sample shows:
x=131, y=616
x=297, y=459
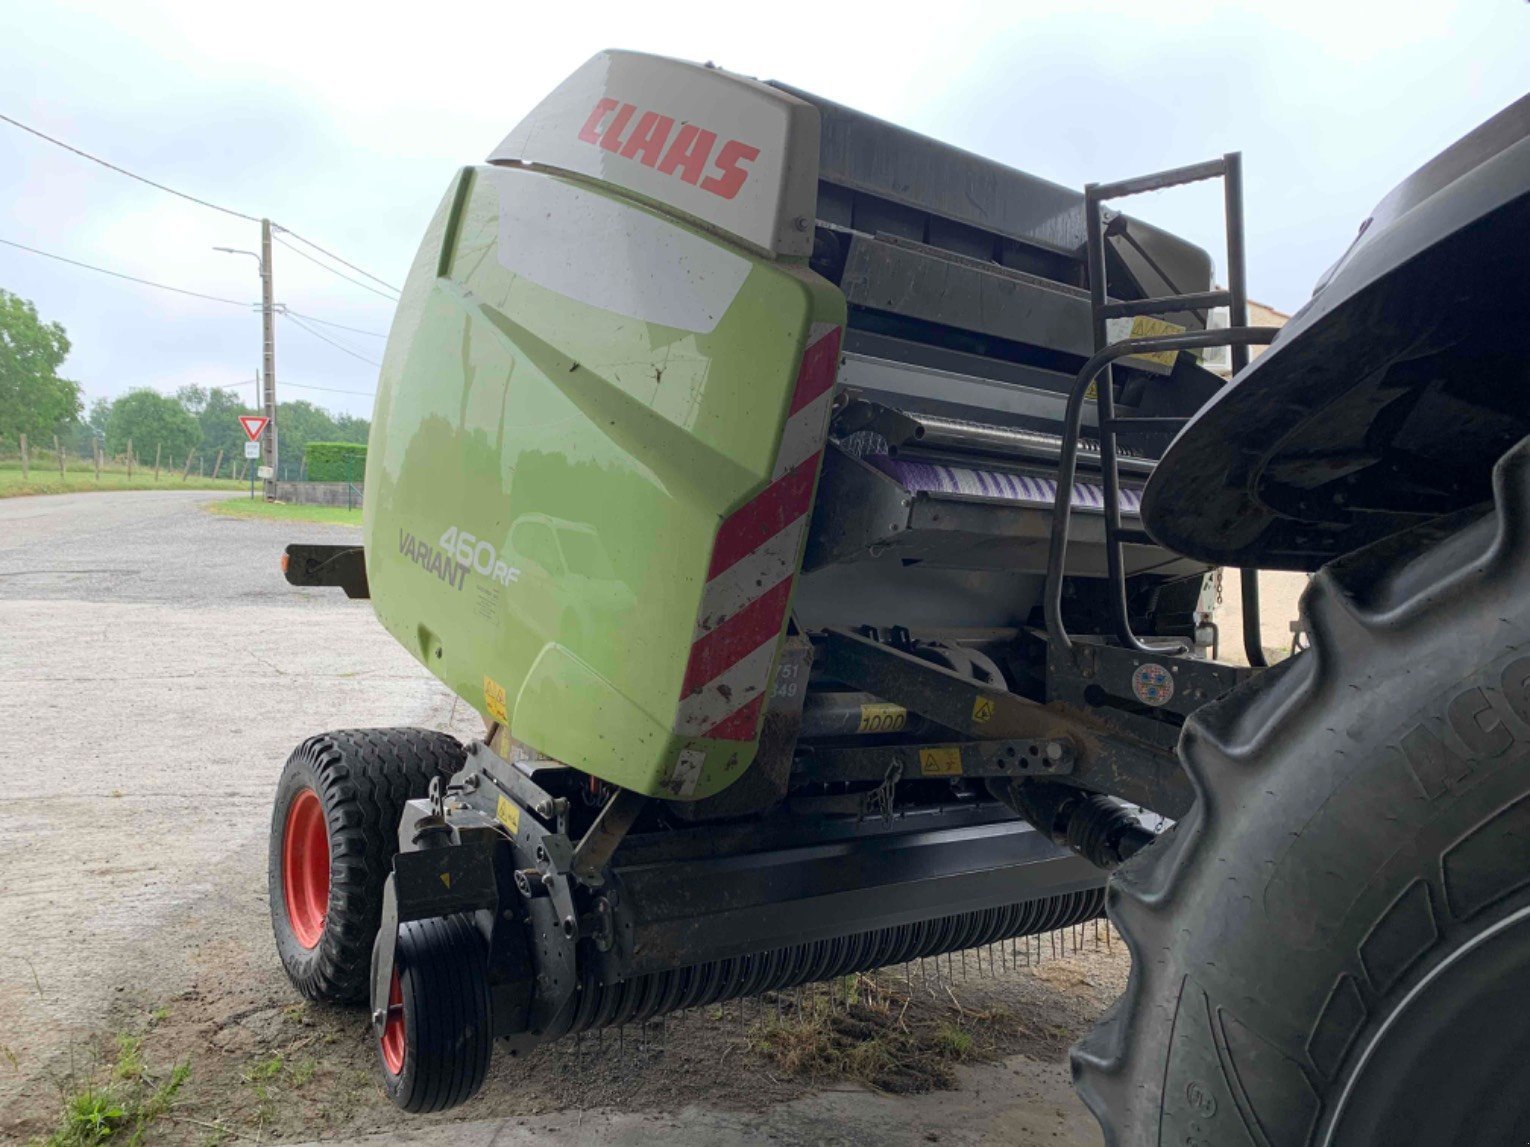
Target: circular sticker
x=1153, y=684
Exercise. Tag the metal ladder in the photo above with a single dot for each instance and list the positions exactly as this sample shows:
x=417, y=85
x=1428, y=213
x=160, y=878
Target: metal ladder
x=1239, y=336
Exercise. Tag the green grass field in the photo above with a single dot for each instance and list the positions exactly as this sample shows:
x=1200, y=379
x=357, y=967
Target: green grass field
x=80, y=476
x=286, y=512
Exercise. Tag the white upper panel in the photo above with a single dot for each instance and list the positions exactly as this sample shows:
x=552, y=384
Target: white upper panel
x=727, y=151
x=605, y=252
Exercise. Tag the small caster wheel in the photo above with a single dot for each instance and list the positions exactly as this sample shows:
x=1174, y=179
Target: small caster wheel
x=435, y=1039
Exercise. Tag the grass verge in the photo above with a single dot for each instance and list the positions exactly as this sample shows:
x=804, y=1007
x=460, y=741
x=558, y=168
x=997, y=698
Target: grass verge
x=81, y=477
x=286, y=512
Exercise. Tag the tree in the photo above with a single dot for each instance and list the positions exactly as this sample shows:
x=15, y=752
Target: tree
x=84, y=434
x=150, y=420
x=193, y=398
x=297, y=424
x=100, y=415
x=34, y=400
x=349, y=428
x=219, y=419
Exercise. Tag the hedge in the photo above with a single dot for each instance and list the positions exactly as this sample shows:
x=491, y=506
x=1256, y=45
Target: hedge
x=335, y=461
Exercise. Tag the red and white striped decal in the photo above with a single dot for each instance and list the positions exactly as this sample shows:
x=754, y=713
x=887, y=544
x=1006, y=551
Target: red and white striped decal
x=754, y=559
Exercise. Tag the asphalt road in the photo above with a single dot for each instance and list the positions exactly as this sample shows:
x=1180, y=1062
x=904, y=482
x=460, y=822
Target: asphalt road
x=155, y=670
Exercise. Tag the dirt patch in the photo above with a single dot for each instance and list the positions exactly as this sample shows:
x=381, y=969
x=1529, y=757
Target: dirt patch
x=267, y=1065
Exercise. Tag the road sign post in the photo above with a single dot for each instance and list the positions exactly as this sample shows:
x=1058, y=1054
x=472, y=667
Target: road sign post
x=254, y=425
x=251, y=453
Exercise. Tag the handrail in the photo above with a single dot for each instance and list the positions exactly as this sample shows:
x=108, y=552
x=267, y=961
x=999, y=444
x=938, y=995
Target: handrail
x=1193, y=173
x=1068, y=468
x=1164, y=304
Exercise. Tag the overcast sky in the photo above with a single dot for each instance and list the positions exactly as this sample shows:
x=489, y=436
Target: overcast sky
x=345, y=123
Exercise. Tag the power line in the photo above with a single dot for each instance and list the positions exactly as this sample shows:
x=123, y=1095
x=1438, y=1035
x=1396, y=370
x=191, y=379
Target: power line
x=328, y=323
x=184, y=291
x=125, y=171
x=336, y=343
x=302, y=386
x=129, y=278
x=331, y=270
x=331, y=389
x=190, y=198
x=211, y=298
x=337, y=258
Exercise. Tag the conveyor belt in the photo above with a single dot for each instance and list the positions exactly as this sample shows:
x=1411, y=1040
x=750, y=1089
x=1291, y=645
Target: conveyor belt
x=1040, y=492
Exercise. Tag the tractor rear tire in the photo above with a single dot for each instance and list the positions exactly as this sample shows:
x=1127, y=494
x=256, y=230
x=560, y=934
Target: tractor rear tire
x=334, y=831
x=437, y=1038
x=1333, y=947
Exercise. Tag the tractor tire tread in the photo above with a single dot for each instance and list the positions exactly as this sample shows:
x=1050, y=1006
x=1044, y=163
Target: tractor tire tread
x=1279, y=925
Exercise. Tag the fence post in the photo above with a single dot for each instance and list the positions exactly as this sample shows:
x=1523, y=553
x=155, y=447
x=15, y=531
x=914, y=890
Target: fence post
x=218, y=463
x=130, y=460
x=59, y=450
x=190, y=454
x=97, y=451
x=26, y=465
x=156, y=461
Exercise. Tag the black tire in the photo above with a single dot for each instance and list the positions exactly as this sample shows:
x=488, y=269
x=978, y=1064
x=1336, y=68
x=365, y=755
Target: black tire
x=1334, y=946
x=442, y=985
x=361, y=778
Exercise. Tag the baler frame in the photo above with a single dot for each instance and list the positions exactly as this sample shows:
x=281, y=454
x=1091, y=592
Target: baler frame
x=601, y=899
x=496, y=844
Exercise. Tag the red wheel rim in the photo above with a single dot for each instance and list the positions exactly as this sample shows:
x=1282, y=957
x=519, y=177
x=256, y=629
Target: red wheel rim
x=305, y=868
x=392, y=1039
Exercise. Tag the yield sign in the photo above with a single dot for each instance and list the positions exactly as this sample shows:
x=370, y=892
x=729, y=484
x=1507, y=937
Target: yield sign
x=254, y=425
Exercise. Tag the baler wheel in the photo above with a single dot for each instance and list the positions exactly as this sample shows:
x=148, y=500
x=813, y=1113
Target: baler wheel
x=334, y=831
x=305, y=867
x=436, y=1038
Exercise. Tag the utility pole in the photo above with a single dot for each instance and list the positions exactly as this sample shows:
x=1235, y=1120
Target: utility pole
x=268, y=331
x=266, y=379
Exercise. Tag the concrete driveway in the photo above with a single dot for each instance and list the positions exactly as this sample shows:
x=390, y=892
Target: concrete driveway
x=155, y=670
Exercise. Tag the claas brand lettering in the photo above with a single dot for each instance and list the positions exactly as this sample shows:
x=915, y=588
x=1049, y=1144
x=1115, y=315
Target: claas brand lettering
x=649, y=143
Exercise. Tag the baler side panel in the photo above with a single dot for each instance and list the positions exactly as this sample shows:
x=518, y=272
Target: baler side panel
x=574, y=409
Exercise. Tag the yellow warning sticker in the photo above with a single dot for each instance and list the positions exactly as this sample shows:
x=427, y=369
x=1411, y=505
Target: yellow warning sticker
x=494, y=699
x=982, y=710
x=508, y=814
x=944, y=761
x=883, y=717
x=1144, y=326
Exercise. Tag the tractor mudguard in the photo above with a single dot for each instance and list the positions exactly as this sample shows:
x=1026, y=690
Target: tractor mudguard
x=1385, y=400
